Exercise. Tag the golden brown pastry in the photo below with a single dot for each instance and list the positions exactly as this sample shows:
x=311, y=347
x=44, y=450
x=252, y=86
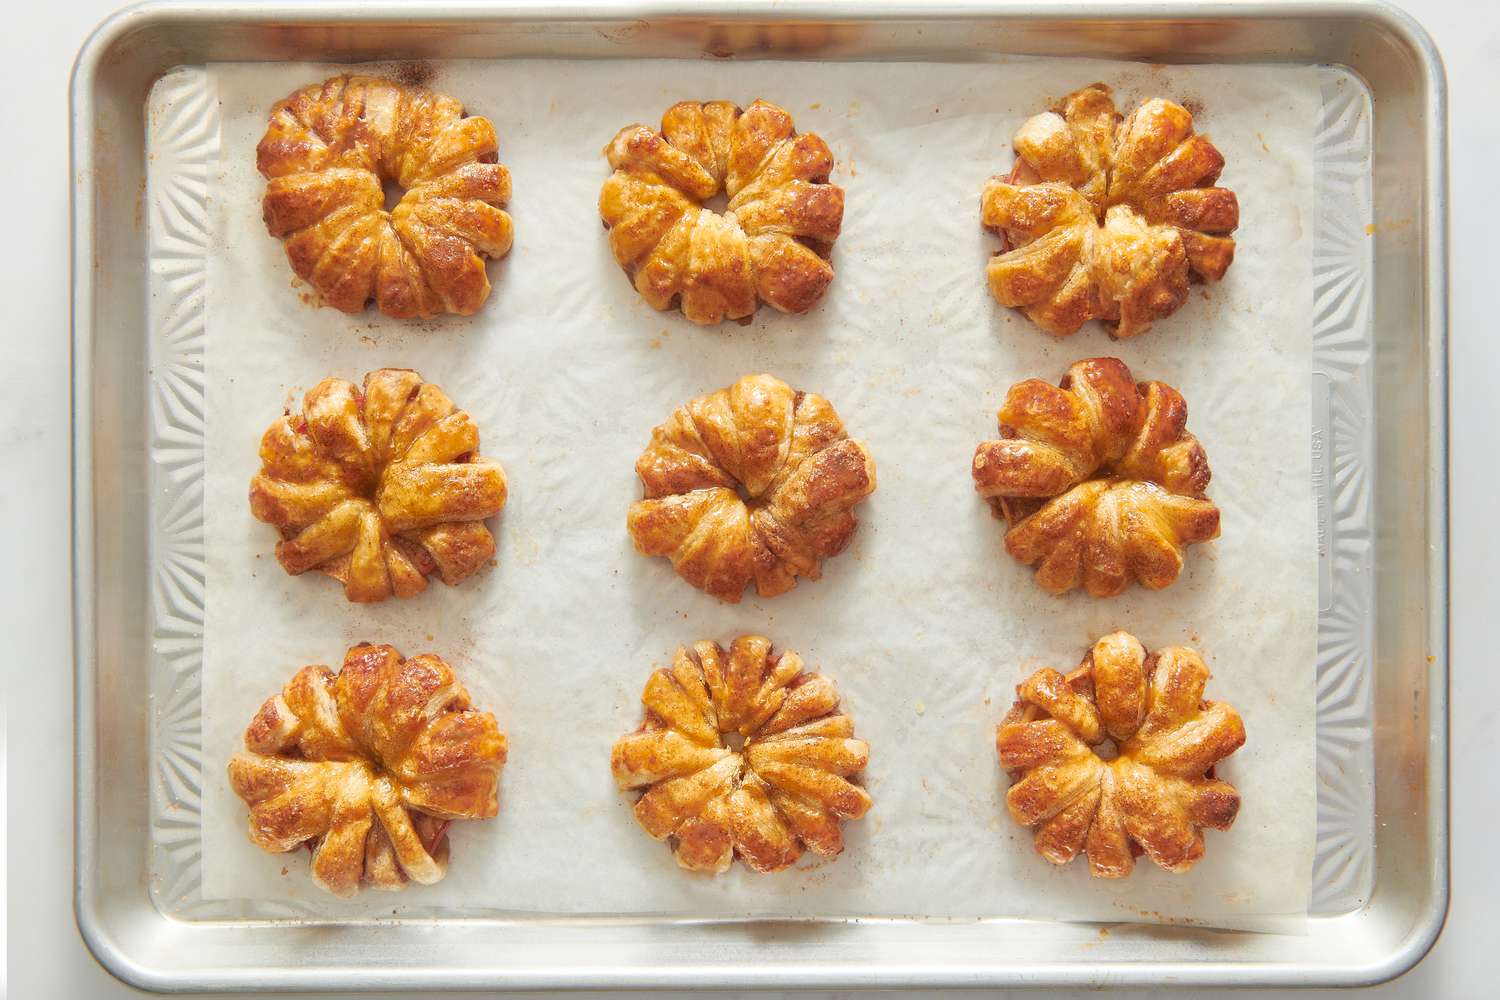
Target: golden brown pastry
x=742, y=754
x=1157, y=794
x=1109, y=220
x=753, y=483
x=378, y=486
x=367, y=767
x=1098, y=479
x=327, y=155
x=773, y=242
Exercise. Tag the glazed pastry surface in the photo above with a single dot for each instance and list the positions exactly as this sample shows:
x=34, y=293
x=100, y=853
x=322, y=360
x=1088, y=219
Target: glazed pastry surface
x=742, y=754
x=328, y=152
x=772, y=242
x=378, y=486
x=1158, y=792
x=755, y=483
x=367, y=767
x=1108, y=219
x=1098, y=480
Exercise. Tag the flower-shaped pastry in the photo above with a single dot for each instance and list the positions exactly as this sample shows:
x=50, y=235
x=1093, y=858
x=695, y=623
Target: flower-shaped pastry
x=751, y=483
x=327, y=155
x=378, y=487
x=1158, y=792
x=771, y=244
x=1098, y=479
x=1108, y=220
x=742, y=753
x=367, y=767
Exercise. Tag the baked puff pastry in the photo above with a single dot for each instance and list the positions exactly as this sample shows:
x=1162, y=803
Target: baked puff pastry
x=328, y=153
x=1098, y=480
x=367, y=767
x=378, y=486
x=742, y=754
x=755, y=483
x=771, y=244
x=1108, y=220
x=1157, y=794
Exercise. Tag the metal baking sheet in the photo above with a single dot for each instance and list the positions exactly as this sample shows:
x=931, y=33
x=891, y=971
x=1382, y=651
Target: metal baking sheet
x=1379, y=889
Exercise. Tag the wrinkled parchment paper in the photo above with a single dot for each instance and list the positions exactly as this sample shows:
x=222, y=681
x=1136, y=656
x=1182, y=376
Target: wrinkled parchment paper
x=924, y=622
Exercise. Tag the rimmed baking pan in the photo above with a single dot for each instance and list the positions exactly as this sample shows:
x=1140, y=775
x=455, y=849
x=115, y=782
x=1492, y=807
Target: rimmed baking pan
x=1378, y=453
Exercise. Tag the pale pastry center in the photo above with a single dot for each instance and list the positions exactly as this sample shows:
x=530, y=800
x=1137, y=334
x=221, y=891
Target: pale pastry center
x=717, y=203
x=1107, y=750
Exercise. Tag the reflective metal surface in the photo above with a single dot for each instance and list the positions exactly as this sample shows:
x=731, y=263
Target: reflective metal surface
x=115, y=499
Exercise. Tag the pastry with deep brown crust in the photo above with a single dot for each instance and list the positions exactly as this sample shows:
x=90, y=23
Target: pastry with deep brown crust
x=755, y=483
x=786, y=785
x=367, y=767
x=772, y=243
x=1098, y=479
x=327, y=155
x=378, y=486
x=1156, y=796
x=1108, y=220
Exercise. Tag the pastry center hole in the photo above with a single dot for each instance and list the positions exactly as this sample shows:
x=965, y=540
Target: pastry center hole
x=393, y=194
x=718, y=203
x=734, y=741
x=1107, y=750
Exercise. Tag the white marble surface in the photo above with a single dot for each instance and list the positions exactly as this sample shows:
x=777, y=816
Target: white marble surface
x=47, y=958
